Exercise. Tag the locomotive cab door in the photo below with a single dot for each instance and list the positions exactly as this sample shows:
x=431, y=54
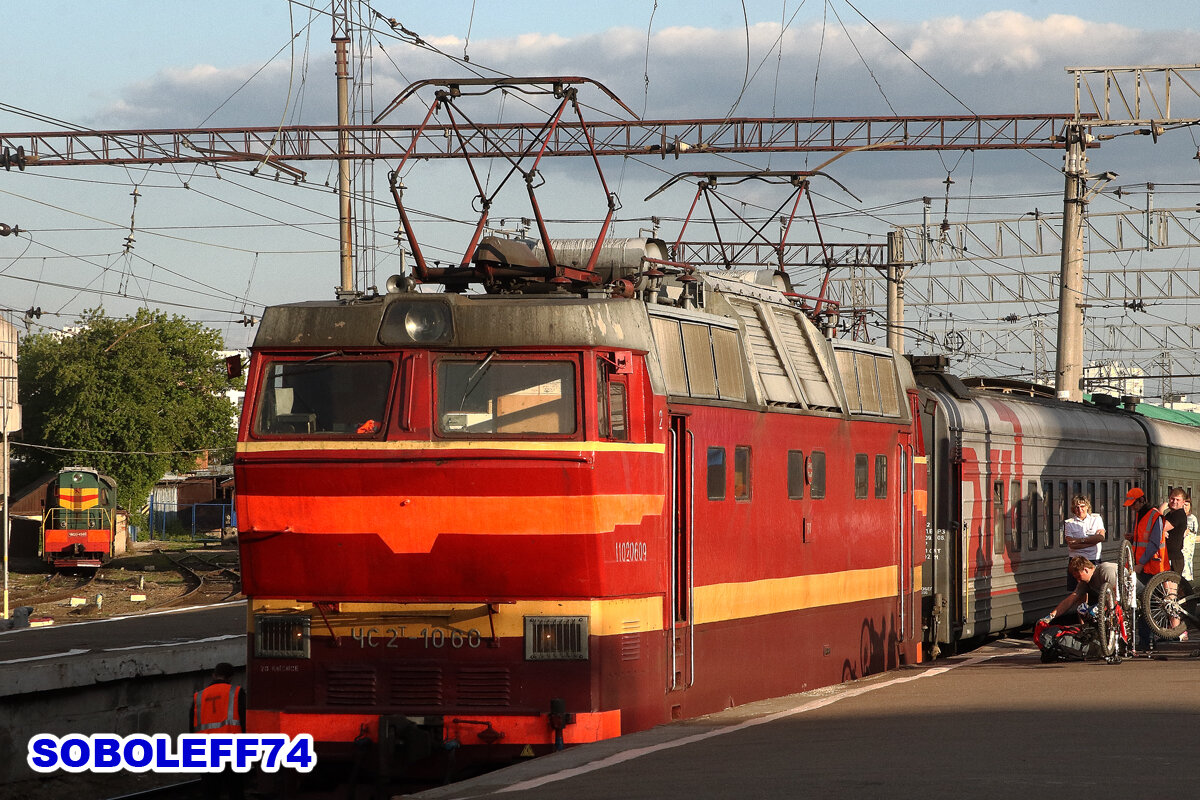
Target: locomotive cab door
x=681, y=661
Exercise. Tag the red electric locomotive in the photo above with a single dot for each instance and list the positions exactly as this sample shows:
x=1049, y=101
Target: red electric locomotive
x=560, y=512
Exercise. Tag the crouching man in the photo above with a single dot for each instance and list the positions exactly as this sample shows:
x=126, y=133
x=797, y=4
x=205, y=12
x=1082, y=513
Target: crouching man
x=1092, y=580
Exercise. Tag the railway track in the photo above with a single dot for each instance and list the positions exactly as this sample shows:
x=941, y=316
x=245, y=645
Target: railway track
x=58, y=586
x=208, y=581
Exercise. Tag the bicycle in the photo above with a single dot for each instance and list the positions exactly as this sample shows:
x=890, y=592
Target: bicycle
x=1162, y=603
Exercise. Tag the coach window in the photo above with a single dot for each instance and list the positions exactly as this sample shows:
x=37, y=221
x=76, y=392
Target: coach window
x=1017, y=523
x=881, y=476
x=1048, y=505
x=492, y=396
x=816, y=489
x=1034, y=515
x=1118, y=513
x=323, y=397
x=999, y=518
x=741, y=473
x=795, y=474
x=1061, y=510
x=716, y=473
x=861, y=468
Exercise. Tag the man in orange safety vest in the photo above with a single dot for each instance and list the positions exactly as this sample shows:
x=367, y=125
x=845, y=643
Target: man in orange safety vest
x=220, y=707
x=1149, y=549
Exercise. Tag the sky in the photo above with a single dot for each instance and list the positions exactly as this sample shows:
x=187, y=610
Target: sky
x=218, y=245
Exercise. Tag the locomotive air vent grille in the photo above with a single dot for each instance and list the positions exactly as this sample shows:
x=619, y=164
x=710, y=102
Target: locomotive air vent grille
x=484, y=686
x=416, y=686
x=556, y=638
x=631, y=640
x=350, y=686
x=281, y=636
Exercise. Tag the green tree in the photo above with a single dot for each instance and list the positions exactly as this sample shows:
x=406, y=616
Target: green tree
x=149, y=389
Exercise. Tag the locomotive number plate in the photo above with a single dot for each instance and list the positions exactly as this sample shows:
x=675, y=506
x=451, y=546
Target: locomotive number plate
x=431, y=638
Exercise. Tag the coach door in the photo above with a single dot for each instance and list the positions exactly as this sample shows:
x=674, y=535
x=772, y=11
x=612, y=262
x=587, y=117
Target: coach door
x=681, y=660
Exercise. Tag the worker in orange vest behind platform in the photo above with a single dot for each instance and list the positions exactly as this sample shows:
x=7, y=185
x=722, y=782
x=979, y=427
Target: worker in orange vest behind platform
x=1149, y=550
x=1149, y=547
x=220, y=707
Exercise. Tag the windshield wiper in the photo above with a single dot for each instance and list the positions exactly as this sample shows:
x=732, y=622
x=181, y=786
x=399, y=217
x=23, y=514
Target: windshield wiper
x=476, y=376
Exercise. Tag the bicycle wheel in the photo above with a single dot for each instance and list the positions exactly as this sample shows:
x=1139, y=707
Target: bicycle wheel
x=1160, y=604
x=1126, y=579
x=1106, y=623
x=1126, y=590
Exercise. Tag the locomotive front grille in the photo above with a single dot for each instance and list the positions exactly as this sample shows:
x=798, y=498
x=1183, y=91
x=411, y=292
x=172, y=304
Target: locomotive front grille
x=416, y=686
x=350, y=686
x=484, y=686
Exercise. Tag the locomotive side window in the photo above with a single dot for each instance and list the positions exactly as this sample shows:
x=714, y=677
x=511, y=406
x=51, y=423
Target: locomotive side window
x=741, y=473
x=861, y=468
x=716, y=473
x=611, y=406
x=618, y=416
x=881, y=471
x=493, y=397
x=322, y=397
x=795, y=474
x=817, y=489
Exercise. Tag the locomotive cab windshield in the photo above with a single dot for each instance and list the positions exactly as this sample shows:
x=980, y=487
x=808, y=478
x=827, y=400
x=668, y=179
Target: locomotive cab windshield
x=499, y=396
x=323, y=397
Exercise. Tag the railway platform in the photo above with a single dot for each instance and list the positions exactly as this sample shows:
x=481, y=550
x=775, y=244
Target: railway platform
x=993, y=723
x=116, y=675
x=996, y=723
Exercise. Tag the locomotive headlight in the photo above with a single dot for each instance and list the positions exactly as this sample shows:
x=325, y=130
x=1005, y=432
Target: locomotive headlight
x=426, y=323
x=407, y=322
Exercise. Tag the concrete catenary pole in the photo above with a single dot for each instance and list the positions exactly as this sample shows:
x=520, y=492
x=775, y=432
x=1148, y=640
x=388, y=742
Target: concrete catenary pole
x=341, y=43
x=1068, y=371
x=895, y=292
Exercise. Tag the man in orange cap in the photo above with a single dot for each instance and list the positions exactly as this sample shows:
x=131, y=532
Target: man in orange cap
x=1149, y=549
